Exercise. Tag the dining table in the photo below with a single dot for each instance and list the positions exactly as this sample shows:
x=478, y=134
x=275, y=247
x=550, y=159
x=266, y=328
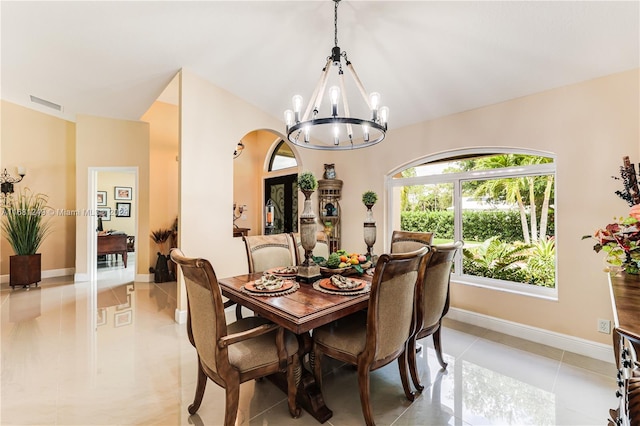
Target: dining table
x=299, y=312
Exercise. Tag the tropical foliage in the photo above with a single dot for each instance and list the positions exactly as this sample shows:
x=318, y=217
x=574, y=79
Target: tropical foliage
x=506, y=216
x=620, y=241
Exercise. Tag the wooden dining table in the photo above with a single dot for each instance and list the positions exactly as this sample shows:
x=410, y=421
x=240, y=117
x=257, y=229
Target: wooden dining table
x=299, y=312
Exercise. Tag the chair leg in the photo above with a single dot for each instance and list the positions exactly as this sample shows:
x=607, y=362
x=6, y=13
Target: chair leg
x=365, y=401
x=413, y=364
x=200, y=386
x=404, y=376
x=238, y=311
x=232, y=398
x=438, y=347
x=292, y=386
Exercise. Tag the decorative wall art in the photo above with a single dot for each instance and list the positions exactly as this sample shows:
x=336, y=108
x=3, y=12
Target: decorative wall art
x=123, y=193
x=123, y=209
x=101, y=198
x=104, y=214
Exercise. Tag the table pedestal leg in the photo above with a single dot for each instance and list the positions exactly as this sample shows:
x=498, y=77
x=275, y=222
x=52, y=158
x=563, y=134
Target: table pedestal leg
x=309, y=396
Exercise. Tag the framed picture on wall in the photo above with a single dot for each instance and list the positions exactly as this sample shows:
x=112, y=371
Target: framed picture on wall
x=101, y=198
x=123, y=209
x=122, y=193
x=103, y=213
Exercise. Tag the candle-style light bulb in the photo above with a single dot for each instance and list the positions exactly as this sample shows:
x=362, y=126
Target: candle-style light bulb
x=384, y=116
x=22, y=171
x=374, y=100
x=288, y=118
x=306, y=134
x=334, y=95
x=336, y=135
x=365, y=132
x=297, y=107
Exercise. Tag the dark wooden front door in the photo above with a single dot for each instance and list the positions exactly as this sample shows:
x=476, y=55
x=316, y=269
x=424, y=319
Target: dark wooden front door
x=283, y=192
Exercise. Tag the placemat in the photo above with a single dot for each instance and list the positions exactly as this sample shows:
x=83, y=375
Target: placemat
x=293, y=289
x=316, y=285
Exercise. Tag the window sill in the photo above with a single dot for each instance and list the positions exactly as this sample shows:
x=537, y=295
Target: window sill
x=507, y=286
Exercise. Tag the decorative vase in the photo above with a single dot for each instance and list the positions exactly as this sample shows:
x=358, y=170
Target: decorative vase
x=309, y=271
x=370, y=231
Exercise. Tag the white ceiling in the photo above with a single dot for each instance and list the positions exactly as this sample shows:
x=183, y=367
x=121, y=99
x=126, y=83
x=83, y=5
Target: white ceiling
x=427, y=58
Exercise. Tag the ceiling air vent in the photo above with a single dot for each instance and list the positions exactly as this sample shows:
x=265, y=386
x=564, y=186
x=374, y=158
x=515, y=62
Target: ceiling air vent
x=46, y=103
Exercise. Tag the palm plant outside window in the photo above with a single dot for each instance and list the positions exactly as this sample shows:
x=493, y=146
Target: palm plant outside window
x=500, y=204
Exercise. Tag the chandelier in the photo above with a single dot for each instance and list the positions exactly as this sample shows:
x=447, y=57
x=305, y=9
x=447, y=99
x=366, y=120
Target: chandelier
x=338, y=130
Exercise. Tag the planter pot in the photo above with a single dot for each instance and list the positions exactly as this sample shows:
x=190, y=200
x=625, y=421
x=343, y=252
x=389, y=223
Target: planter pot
x=25, y=270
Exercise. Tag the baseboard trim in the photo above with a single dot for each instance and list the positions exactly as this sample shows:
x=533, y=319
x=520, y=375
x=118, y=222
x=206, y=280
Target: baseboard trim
x=49, y=273
x=550, y=338
x=81, y=278
x=180, y=316
x=144, y=278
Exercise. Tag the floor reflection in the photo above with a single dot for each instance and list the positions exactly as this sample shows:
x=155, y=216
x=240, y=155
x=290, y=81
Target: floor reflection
x=110, y=352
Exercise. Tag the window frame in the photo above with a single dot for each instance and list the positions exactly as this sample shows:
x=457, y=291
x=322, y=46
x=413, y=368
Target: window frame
x=392, y=183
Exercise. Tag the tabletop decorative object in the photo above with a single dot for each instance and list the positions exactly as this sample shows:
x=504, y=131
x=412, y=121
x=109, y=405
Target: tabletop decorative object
x=620, y=240
x=369, y=198
x=308, y=272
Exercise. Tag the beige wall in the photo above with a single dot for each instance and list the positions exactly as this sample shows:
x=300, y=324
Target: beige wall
x=588, y=126
x=249, y=172
x=163, y=119
x=45, y=145
x=107, y=182
x=109, y=143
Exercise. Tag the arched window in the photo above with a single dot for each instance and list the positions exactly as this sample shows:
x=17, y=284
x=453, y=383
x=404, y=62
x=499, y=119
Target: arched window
x=282, y=158
x=499, y=202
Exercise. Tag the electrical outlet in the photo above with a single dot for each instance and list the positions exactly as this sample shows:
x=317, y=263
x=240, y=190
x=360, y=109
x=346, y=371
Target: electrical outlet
x=604, y=326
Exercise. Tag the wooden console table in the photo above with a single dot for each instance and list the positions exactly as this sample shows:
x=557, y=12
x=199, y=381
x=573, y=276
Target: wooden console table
x=240, y=232
x=625, y=299
x=113, y=244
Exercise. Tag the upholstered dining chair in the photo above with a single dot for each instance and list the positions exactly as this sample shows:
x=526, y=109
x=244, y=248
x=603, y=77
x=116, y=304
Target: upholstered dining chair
x=404, y=241
x=321, y=249
x=269, y=251
x=230, y=354
x=373, y=338
x=432, y=303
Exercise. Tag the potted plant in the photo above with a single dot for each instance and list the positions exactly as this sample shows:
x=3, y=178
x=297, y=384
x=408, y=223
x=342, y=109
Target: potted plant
x=161, y=271
x=307, y=182
x=369, y=198
x=620, y=241
x=25, y=225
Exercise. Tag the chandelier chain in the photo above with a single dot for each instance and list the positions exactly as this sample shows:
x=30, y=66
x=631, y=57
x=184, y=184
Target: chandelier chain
x=335, y=23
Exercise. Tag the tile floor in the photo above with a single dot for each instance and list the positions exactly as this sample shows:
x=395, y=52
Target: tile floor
x=111, y=354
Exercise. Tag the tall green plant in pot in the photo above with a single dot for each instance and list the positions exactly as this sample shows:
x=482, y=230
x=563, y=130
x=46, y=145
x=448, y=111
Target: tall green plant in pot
x=25, y=224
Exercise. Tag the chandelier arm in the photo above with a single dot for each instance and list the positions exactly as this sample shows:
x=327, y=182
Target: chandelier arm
x=316, y=106
x=322, y=83
x=345, y=104
x=363, y=92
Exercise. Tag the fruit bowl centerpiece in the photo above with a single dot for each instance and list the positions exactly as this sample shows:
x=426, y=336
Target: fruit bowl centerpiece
x=344, y=263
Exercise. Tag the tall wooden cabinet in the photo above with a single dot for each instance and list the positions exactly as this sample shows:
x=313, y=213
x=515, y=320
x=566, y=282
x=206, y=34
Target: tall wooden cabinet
x=329, y=194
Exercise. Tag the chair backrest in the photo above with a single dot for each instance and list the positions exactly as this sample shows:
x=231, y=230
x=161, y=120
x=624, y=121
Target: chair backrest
x=405, y=241
x=434, y=293
x=206, y=322
x=390, y=317
x=321, y=249
x=269, y=251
